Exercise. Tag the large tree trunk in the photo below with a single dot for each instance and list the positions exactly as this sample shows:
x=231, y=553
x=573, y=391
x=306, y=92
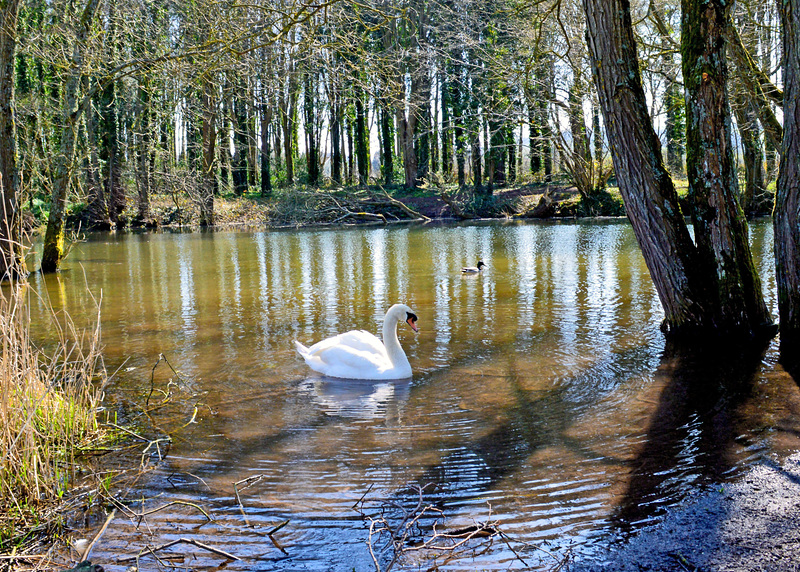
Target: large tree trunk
x=720, y=228
x=53, y=247
x=787, y=199
x=647, y=189
x=11, y=260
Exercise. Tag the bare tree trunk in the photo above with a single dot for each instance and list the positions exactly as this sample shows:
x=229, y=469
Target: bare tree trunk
x=787, y=199
x=209, y=136
x=11, y=260
x=144, y=167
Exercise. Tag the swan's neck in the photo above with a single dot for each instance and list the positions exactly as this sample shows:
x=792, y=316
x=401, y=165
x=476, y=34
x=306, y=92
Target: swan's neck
x=396, y=354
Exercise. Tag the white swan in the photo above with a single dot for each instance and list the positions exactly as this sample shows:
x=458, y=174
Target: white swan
x=473, y=269
x=361, y=355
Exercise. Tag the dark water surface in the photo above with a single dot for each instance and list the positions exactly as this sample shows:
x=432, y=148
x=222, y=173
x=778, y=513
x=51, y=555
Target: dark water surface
x=543, y=395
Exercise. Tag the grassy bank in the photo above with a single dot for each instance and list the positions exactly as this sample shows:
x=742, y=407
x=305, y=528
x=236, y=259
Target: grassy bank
x=48, y=401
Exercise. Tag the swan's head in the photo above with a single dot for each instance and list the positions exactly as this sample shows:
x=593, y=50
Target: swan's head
x=403, y=313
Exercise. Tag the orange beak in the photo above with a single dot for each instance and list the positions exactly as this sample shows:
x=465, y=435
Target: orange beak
x=411, y=322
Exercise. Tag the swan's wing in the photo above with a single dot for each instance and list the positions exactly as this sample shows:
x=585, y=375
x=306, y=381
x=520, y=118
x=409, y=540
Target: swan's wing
x=358, y=340
x=357, y=355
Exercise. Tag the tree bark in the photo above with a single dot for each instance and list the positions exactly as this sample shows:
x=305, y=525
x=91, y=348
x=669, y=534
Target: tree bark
x=720, y=227
x=12, y=262
x=787, y=199
x=646, y=187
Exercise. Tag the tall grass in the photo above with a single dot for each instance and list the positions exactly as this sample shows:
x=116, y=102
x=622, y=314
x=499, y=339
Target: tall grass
x=48, y=401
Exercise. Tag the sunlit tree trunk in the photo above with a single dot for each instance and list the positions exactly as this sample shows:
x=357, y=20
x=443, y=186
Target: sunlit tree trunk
x=11, y=259
x=720, y=227
x=647, y=189
x=53, y=247
x=787, y=199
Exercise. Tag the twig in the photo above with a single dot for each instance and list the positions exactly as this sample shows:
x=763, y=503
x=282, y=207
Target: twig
x=191, y=541
x=404, y=207
x=141, y=515
x=248, y=481
x=88, y=549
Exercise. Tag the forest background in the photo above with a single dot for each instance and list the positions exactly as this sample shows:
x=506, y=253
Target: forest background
x=120, y=105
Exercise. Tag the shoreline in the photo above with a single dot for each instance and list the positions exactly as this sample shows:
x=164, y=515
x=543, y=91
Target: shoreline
x=750, y=524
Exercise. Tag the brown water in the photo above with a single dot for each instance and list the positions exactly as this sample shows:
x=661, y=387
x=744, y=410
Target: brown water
x=543, y=394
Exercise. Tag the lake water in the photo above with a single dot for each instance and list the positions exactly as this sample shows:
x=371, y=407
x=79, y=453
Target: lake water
x=543, y=396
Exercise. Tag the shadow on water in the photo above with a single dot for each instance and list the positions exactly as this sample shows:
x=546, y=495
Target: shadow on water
x=694, y=429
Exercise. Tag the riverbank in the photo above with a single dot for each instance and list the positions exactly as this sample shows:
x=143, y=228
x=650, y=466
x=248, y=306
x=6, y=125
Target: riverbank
x=302, y=207
x=752, y=524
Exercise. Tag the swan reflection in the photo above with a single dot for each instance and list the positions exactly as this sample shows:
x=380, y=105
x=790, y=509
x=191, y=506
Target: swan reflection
x=357, y=399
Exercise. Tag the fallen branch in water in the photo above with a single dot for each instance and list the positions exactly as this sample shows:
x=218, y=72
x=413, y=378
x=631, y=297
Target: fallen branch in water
x=249, y=481
x=197, y=543
x=85, y=553
x=407, y=534
x=140, y=516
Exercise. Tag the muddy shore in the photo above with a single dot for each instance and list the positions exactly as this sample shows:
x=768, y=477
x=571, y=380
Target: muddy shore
x=750, y=525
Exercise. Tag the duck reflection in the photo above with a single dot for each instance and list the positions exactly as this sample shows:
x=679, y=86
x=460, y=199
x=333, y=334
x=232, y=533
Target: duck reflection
x=358, y=399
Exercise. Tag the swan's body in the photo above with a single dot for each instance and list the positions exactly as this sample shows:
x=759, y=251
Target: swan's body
x=473, y=269
x=361, y=355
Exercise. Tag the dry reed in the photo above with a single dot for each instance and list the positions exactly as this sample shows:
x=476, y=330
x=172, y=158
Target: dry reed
x=48, y=401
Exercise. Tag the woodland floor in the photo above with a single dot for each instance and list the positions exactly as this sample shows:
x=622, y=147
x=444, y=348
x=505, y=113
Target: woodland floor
x=350, y=206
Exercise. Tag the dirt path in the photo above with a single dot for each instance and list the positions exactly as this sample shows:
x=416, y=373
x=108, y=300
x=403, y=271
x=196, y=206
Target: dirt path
x=750, y=525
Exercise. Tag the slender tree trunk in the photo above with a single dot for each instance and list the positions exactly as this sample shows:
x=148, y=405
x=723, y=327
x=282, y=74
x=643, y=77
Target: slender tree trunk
x=447, y=130
x=511, y=149
x=97, y=203
x=719, y=223
x=787, y=199
x=458, y=128
x=387, y=137
x=674, y=127
x=312, y=151
x=109, y=153
x=546, y=145
x=336, y=143
x=12, y=262
x=361, y=135
x=144, y=168
x=266, y=171
x=240, y=145
x=53, y=247
x=209, y=137
x=755, y=177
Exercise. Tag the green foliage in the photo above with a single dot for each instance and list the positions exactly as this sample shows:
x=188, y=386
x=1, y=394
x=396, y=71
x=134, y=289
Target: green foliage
x=601, y=202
